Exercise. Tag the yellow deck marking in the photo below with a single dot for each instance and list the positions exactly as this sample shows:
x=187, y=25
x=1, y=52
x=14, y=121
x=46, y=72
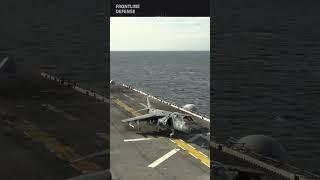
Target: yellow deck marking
x=126, y=107
x=203, y=158
x=63, y=152
x=185, y=146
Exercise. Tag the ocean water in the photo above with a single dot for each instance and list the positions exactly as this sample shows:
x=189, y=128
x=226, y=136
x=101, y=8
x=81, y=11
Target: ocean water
x=266, y=74
x=179, y=77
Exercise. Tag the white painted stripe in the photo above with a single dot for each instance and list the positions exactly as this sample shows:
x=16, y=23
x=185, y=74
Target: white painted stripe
x=27, y=134
x=181, y=147
x=193, y=155
x=102, y=135
x=143, y=105
x=205, y=164
x=57, y=110
x=203, y=154
x=138, y=139
x=128, y=96
x=163, y=158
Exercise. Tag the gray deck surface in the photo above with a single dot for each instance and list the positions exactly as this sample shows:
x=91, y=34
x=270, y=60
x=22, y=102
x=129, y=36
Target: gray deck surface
x=44, y=127
x=130, y=160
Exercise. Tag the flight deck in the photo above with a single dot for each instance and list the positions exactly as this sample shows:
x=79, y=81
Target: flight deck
x=147, y=153
x=47, y=128
x=52, y=128
x=126, y=102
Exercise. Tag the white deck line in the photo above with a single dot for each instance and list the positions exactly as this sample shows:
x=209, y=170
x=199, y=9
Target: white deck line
x=163, y=158
x=3, y=62
x=138, y=139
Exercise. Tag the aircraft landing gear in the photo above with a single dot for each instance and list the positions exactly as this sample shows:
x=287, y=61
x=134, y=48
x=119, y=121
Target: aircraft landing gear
x=172, y=133
x=138, y=123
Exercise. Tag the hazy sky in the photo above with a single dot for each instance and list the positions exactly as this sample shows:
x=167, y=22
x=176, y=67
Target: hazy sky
x=159, y=33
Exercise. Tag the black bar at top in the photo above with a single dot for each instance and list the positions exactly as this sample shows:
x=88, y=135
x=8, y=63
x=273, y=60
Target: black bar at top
x=170, y=8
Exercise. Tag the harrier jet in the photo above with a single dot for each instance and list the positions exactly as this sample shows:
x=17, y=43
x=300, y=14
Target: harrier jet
x=164, y=120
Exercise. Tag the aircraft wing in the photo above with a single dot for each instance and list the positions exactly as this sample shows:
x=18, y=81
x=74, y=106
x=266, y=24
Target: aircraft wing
x=140, y=118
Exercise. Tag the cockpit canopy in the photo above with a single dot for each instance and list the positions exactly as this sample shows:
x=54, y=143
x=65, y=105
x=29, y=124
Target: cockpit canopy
x=181, y=117
x=187, y=118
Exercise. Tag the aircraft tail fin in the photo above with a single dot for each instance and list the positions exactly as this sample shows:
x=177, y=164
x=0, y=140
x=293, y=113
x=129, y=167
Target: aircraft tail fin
x=146, y=107
x=148, y=102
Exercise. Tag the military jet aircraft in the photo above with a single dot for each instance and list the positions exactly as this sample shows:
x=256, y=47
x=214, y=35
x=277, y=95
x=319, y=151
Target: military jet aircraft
x=164, y=120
